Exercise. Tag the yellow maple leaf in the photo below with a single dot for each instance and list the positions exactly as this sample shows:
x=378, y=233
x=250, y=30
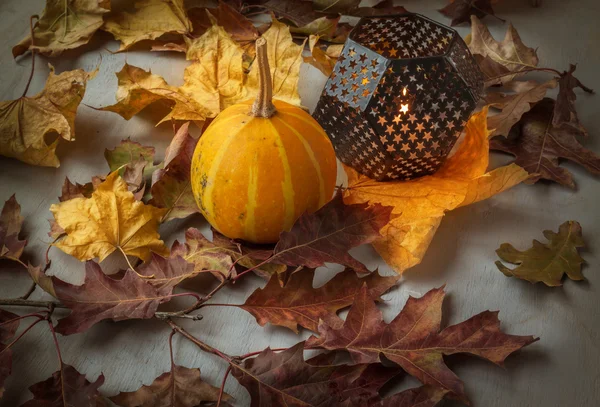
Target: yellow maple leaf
x=25, y=122
x=216, y=79
x=150, y=20
x=421, y=203
x=111, y=219
x=64, y=25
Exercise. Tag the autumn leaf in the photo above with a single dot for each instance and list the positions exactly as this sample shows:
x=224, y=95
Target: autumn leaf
x=138, y=89
x=66, y=387
x=326, y=235
x=171, y=185
x=546, y=262
x=25, y=122
x=298, y=12
x=8, y=330
x=64, y=25
x=44, y=281
x=150, y=20
x=110, y=219
x=424, y=396
x=102, y=297
x=75, y=190
x=564, y=109
x=285, y=379
x=420, y=204
x=180, y=387
x=514, y=105
x=461, y=11
x=500, y=61
x=11, y=221
x=538, y=146
x=319, y=57
x=414, y=341
x=298, y=303
x=127, y=152
x=240, y=28
x=167, y=272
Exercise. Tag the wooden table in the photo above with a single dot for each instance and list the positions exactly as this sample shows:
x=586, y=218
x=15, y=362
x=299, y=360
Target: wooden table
x=562, y=369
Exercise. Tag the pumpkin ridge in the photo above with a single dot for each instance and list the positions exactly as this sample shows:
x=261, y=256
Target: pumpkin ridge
x=250, y=221
x=311, y=154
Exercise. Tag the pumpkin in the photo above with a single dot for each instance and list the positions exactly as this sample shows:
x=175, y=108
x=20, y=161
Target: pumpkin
x=261, y=164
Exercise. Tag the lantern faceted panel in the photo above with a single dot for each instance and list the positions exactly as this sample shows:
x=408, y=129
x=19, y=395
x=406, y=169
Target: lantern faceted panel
x=399, y=96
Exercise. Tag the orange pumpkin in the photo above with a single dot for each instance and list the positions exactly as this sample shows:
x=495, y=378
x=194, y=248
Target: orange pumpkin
x=261, y=164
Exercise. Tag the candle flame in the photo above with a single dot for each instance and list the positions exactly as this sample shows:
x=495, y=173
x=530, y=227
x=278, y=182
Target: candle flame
x=404, y=108
x=404, y=92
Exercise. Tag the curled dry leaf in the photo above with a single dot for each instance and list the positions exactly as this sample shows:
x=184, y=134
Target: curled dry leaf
x=320, y=58
x=126, y=153
x=538, y=146
x=64, y=25
x=327, y=235
x=25, y=122
x=500, y=61
x=138, y=89
x=181, y=387
x=461, y=11
x=547, y=262
x=11, y=221
x=102, y=297
x=150, y=20
x=44, y=281
x=77, y=190
x=414, y=341
x=564, y=110
x=514, y=105
x=299, y=304
x=171, y=185
x=420, y=204
x=285, y=379
x=110, y=219
x=66, y=387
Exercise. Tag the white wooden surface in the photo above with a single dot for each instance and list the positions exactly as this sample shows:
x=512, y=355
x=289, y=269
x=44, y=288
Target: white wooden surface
x=560, y=370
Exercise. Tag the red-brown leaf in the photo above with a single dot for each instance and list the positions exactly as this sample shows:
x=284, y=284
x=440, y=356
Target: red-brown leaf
x=7, y=332
x=101, y=297
x=167, y=271
x=285, y=379
x=414, y=340
x=460, y=11
x=66, y=387
x=424, y=396
x=564, y=109
x=181, y=387
x=298, y=303
x=538, y=146
x=238, y=26
x=10, y=227
x=328, y=234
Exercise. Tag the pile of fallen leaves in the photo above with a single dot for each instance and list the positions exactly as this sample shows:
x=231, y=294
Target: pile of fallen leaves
x=122, y=209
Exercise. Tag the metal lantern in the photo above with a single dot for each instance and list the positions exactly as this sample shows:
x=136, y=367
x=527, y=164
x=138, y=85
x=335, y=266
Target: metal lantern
x=399, y=96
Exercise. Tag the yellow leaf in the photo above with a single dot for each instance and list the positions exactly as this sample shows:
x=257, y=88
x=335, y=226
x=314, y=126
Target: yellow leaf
x=110, y=219
x=138, y=89
x=319, y=58
x=25, y=122
x=64, y=25
x=421, y=203
x=150, y=20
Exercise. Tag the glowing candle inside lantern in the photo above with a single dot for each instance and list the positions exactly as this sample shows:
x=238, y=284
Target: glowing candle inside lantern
x=404, y=106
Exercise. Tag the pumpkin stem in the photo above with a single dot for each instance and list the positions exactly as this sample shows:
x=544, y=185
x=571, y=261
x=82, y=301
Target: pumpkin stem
x=263, y=105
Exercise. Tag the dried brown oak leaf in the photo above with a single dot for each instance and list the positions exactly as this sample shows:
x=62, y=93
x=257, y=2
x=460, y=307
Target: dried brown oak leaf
x=64, y=25
x=25, y=122
x=66, y=387
x=149, y=20
x=564, y=110
x=546, y=262
x=327, y=235
x=111, y=219
x=414, y=341
x=420, y=204
x=538, y=146
x=180, y=387
x=171, y=185
x=524, y=95
x=299, y=304
x=500, y=61
x=285, y=379
x=101, y=297
x=11, y=221
x=460, y=11
x=424, y=396
x=9, y=323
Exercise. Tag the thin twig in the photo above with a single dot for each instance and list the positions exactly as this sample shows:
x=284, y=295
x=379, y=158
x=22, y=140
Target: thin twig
x=248, y=355
x=32, y=55
x=40, y=318
x=29, y=291
x=22, y=317
x=198, y=342
x=221, y=390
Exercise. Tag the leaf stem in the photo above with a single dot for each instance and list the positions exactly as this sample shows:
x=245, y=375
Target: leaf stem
x=198, y=342
x=32, y=55
x=221, y=390
x=248, y=355
x=60, y=359
x=22, y=317
x=30, y=291
x=40, y=318
x=131, y=266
